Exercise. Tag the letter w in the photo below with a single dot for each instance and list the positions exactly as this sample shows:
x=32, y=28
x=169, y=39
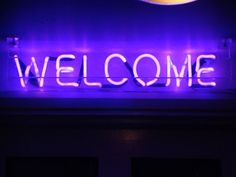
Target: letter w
x=21, y=68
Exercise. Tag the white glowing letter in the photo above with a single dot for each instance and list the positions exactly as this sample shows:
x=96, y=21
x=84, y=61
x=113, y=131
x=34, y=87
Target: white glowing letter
x=24, y=79
x=201, y=71
x=136, y=73
x=85, y=73
x=64, y=70
x=179, y=76
x=106, y=69
x=22, y=82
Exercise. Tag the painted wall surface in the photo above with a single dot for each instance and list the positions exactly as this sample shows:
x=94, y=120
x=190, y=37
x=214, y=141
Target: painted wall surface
x=131, y=29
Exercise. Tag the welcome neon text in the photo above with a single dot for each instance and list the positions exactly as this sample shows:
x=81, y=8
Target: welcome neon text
x=187, y=71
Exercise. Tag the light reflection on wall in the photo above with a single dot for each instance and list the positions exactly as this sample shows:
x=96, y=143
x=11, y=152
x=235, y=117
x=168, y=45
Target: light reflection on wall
x=97, y=52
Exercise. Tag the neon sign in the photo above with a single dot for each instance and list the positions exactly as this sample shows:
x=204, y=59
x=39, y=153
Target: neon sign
x=191, y=69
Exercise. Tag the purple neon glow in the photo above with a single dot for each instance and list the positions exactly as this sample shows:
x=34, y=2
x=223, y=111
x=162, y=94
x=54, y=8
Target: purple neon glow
x=179, y=75
x=85, y=73
x=201, y=71
x=99, y=30
x=24, y=78
x=22, y=82
x=109, y=79
x=69, y=69
x=64, y=70
x=89, y=62
x=158, y=69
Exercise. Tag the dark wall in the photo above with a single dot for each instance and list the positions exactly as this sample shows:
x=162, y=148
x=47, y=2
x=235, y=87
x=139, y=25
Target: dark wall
x=115, y=147
x=116, y=138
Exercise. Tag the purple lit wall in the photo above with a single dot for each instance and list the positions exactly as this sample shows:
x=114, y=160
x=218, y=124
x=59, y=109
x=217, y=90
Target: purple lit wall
x=130, y=28
x=117, y=124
